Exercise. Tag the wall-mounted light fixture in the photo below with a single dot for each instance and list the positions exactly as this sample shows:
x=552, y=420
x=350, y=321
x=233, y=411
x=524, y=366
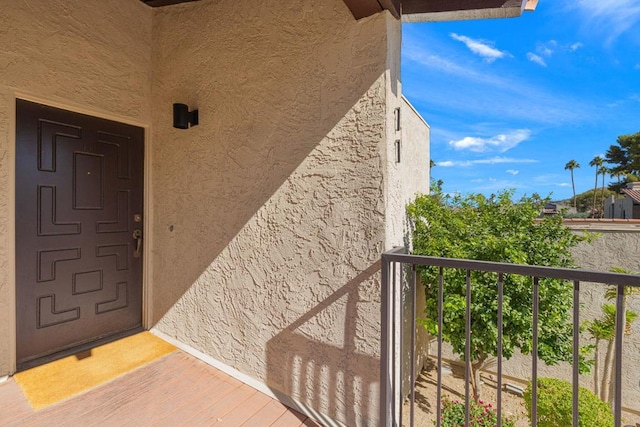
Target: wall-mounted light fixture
x=183, y=118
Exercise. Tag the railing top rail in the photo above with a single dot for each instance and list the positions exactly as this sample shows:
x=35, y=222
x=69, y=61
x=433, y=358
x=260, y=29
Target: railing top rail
x=399, y=255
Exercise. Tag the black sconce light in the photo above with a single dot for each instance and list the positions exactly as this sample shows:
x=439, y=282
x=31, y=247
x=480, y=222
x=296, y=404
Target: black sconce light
x=183, y=118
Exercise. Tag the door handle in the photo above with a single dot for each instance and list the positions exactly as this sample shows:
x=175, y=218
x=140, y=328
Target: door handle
x=137, y=235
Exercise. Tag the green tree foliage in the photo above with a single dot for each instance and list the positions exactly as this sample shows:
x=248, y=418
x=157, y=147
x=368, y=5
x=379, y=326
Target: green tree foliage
x=584, y=201
x=604, y=329
x=555, y=405
x=495, y=229
x=625, y=156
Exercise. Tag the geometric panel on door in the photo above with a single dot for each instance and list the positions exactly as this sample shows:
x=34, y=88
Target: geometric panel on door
x=120, y=144
x=47, y=261
x=88, y=176
x=121, y=300
x=88, y=281
x=120, y=252
x=48, y=223
x=47, y=315
x=49, y=133
x=121, y=223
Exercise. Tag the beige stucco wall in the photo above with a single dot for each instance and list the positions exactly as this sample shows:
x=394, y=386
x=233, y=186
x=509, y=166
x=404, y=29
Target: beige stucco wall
x=270, y=223
x=409, y=177
x=413, y=171
x=92, y=56
x=269, y=217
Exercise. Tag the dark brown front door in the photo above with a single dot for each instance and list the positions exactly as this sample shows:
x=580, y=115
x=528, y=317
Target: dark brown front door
x=79, y=183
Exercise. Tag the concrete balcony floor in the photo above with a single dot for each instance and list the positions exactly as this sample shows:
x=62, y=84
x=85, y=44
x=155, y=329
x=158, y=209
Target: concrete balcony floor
x=177, y=390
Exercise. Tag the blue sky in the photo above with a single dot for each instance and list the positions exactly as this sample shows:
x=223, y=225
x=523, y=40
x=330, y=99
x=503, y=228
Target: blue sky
x=511, y=101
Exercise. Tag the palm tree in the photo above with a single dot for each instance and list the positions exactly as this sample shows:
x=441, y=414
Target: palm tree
x=570, y=166
x=617, y=174
x=604, y=171
x=597, y=162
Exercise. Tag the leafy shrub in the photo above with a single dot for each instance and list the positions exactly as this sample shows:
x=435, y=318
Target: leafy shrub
x=480, y=414
x=555, y=405
x=497, y=229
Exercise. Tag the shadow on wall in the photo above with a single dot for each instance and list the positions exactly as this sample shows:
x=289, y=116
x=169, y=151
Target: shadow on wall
x=318, y=374
x=272, y=83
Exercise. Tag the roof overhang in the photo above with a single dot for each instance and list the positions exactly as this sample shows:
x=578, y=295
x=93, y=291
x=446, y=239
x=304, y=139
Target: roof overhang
x=458, y=10
x=158, y=3
x=441, y=10
x=423, y=10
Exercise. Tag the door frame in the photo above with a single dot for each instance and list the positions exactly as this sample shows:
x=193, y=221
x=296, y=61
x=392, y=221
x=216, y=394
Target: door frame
x=147, y=308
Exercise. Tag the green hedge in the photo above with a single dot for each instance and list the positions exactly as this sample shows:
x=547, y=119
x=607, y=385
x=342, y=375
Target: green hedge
x=555, y=405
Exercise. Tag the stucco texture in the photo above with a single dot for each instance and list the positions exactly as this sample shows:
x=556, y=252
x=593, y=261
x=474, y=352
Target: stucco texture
x=407, y=178
x=269, y=215
x=94, y=56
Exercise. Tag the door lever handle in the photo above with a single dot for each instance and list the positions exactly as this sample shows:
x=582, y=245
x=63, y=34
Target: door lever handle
x=137, y=235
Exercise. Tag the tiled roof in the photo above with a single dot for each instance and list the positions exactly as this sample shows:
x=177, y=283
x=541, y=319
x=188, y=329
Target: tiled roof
x=634, y=194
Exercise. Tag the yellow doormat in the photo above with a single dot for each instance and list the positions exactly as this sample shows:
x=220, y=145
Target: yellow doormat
x=64, y=378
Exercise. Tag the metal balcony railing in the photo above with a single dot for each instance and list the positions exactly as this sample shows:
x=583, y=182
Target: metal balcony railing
x=399, y=275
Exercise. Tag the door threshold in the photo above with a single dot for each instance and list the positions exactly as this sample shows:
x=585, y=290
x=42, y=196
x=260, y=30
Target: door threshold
x=77, y=349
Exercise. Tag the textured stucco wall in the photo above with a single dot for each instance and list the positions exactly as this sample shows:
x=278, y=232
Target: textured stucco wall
x=410, y=177
x=94, y=56
x=413, y=170
x=270, y=222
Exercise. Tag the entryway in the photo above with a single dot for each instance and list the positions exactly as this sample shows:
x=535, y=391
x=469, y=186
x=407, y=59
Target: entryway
x=79, y=217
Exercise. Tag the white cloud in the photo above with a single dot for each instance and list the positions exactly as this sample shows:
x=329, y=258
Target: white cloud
x=497, y=185
x=550, y=180
x=547, y=49
x=536, y=58
x=480, y=48
x=489, y=161
x=500, y=143
x=513, y=172
x=610, y=17
x=438, y=63
x=575, y=46
x=633, y=98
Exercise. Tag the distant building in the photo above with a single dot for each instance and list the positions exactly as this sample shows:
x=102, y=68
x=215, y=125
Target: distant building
x=627, y=207
x=554, y=208
x=550, y=209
